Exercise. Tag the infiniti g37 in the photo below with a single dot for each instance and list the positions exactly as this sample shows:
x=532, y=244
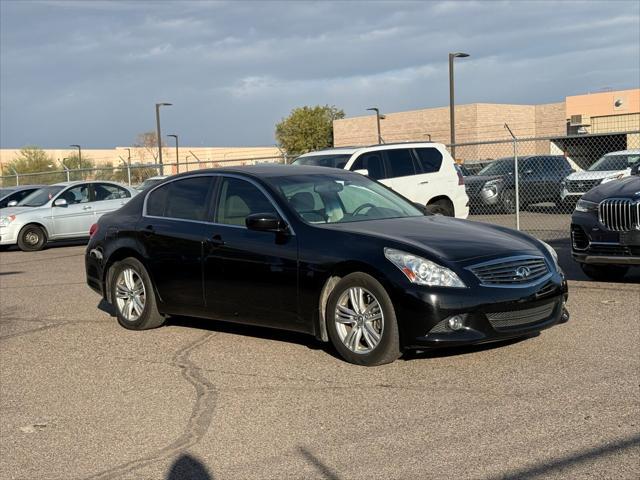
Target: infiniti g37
x=323, y=251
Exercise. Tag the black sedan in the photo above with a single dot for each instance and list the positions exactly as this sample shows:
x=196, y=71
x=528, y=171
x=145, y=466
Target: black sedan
x=605, y=228
x=321, y=251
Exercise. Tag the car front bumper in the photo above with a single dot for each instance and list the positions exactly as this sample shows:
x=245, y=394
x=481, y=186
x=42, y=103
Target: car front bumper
x=489, y=314
x=8, y=235
x=593, y=243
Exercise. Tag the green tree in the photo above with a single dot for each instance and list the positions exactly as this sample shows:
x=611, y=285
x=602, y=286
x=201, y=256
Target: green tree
x=307, y=129
x=33, y=159
x=74, y=164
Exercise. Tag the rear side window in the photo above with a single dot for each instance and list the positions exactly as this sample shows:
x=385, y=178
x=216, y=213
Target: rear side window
x=371, y=162
x=108, y=191
x=399, y=163
x=182, y=199
x=429, y=159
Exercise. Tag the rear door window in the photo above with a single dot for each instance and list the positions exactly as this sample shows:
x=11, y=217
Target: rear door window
x=399, y=163
x=429, y=159
x=185, y=199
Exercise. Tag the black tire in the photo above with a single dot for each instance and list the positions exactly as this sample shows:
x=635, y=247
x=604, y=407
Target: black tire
x=388, y=348
x=440, y=207
x=150, y=316
x=604, y=273
x=32, y=238
x=508, y=200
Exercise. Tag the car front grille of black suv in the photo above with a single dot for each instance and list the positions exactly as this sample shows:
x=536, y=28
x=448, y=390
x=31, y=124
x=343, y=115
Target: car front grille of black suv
x=520, y=318
x=581, y=186
x=619, y=214
x=513, y=271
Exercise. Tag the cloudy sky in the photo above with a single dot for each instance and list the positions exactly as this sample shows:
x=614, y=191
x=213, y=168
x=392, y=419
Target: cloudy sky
x=90, y=72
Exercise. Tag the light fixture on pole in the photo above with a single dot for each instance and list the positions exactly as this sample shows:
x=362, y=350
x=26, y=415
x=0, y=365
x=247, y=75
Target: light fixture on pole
x=158, y=133
x=378, y=118
x=177, y=161
x=452, y=114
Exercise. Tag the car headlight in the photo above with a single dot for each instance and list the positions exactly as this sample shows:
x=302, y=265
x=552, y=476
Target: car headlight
x=422, y=271
x=586, y=206
x=492, y=185
x=5, y=220
x=553, y=253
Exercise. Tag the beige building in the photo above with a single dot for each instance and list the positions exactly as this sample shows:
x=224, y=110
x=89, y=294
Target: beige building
x=594, y=113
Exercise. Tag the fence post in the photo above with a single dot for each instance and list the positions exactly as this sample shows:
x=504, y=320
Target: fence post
x=516, y=172
x=17, y=177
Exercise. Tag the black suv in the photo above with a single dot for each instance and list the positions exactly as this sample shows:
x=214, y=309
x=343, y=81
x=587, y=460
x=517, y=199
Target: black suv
x=605, y=228
x=540, y=181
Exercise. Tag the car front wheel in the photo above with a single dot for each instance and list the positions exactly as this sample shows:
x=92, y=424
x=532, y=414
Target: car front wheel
x=31, y=238
x=361, y=321
x=133, y=297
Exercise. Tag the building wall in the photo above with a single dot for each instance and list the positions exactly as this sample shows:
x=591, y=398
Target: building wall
x=603, y=104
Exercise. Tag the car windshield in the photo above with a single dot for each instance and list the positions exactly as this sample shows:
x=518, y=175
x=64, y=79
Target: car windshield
x=150, y=182
x=334, y=160
x=40, y=197
x=615, y=162
x=503, y=166
x=335, y=199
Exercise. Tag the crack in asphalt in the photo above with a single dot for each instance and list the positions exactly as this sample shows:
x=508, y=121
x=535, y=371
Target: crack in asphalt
x=198, y=423
x=47, y=326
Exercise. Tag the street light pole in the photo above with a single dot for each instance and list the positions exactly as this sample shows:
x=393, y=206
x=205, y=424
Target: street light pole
x=159, y=135
x=452, y=114
x=177, y=161
x=129, y=157
x=66, y=169
x=378, y=118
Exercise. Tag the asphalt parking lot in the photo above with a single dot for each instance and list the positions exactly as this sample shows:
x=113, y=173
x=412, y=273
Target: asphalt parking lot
x=80, y=397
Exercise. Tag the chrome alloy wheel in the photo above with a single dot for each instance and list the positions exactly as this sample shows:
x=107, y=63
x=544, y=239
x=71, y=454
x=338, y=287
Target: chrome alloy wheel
x=130, y=294
x=359, y=320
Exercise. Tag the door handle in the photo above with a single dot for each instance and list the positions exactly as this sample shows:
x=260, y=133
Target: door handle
x=217, y=241
x=424, y=183
x=87, y=207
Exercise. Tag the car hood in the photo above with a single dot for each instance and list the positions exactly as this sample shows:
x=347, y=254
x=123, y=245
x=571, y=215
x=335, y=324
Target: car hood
x=592, y=175
x=475, y=179
x=628, y=187
x=445, y=237
x=17, y=210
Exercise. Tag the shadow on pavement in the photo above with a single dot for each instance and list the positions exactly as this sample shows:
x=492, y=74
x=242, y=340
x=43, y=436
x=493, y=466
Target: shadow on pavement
x=544, y=469
x=187, y=467
x=323, y=469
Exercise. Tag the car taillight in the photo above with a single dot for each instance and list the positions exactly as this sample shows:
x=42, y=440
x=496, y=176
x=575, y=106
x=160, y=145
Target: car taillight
x=93, y=230
x=460, y=176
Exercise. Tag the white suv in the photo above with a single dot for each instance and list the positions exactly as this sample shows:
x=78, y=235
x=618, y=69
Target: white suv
x=423, y=172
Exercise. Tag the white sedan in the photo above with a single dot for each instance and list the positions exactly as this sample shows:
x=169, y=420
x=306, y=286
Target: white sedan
x=61, y=211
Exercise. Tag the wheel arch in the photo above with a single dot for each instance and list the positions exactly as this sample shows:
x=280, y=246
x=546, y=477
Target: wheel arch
x=339, y=271
x=36, y=224
x=120, y=253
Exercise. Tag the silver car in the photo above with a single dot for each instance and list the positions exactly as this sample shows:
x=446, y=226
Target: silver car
x=60, y=212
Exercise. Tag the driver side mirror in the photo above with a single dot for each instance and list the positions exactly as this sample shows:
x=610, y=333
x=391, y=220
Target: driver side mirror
x=12, y=203
x=635, y=169
x=362, y=171
x=265, y=222
x=60, y=202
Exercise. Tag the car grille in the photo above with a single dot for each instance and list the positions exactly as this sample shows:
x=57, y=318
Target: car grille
x=512, y=271
x=520, y=318
x=579, y=239
x=614, y=249
x=619, y=214
x=581, y=186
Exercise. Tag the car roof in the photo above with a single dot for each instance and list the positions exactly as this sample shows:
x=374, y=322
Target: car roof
x=376, y=146
x=78, y=182
x=266, y=170
x=633, y=151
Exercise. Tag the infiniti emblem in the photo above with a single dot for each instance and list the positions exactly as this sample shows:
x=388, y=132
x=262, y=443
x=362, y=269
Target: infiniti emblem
x=522, y=272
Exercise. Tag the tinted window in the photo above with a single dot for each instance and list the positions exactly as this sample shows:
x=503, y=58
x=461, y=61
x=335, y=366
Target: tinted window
x=430, y=159
x=108, y=191
x=238, y=199
x=399, y=163
x=156, y=201
x=187, y=199
x=371, y=162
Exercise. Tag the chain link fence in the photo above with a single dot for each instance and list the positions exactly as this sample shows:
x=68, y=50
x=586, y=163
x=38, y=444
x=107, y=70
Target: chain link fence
x=533, y=184
x=132, y=175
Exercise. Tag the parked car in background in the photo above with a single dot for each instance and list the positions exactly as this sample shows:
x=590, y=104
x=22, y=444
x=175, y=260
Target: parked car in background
x=61, y=211
x=540, y=178
x=424, y=172
x=325, y=252
x=151, y=181
x=11, y=196
x=611, y=166
x=605, y=228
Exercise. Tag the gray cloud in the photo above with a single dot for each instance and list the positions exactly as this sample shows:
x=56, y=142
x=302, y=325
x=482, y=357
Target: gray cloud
x=90, y=72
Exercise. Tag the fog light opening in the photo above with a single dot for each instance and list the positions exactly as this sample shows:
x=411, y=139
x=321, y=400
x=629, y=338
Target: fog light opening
x=456, y=322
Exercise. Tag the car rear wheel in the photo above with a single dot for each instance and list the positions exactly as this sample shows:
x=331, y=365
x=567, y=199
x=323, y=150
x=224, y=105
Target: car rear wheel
x=132, y=296
x=440, y=207
x=604, y=273
x=31, y=238
x=361, y=321
x=508, y=201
